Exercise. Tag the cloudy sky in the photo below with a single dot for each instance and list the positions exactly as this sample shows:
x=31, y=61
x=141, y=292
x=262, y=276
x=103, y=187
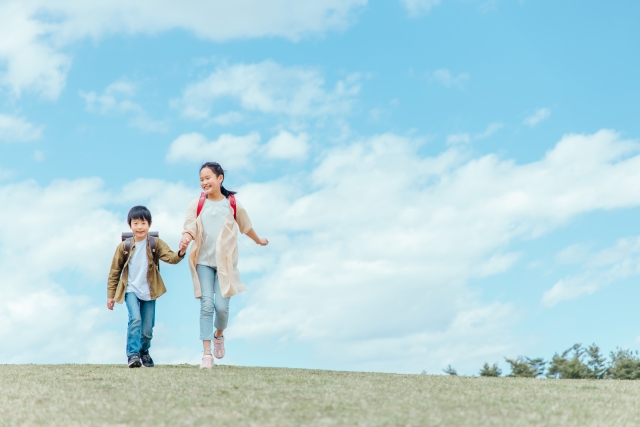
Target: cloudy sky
x=442, y=181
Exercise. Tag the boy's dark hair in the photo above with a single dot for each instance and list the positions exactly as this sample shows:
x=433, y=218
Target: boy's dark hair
x=217, y=169
x=139, y=212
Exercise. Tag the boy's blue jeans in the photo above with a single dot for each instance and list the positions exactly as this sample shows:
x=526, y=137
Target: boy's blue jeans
x=142, y=317
x=210, y=300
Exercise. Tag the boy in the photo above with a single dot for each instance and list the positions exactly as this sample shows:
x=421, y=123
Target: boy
x=135, y=279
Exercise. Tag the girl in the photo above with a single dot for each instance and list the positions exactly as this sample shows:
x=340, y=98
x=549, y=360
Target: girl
x=212, y=223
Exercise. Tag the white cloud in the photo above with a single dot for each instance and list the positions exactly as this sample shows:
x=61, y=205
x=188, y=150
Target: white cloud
x=226, y=119
x=69, y=231
x=13, y=128
x=44, y=231
x=599, y=269
x=116, y=99
x=370, y=255
x=5, y=174
x=268, y=87
x=38, y=156
x=490, y=130
x=28, y=58
x=389, y=240
x=488, y=6
x=537, y=117
x=465, y=137
x=285, y=145
x=34, y=34
x=233, y=152
x=573, y=254
x=448, y=79
x=418, y=7
x=458, y=138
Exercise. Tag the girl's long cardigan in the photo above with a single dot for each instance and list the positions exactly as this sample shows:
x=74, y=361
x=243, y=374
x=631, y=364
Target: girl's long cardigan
x=226, y=248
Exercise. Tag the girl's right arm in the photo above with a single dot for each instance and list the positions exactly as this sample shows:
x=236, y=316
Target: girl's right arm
x=189, y=229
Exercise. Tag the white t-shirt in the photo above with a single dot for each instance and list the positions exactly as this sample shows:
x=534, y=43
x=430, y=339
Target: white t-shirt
x=213, y=216
x=138, y=268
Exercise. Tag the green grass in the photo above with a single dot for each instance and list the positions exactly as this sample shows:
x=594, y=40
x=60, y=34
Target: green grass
x=95, y=395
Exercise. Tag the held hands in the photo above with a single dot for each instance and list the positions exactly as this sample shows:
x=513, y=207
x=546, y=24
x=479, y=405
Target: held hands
x=110, y=303
x=184, y=242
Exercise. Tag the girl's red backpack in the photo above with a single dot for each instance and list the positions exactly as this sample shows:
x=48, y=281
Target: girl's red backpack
x=203, y=198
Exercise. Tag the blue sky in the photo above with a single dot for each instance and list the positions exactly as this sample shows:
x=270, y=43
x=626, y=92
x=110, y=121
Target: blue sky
x=442, y=182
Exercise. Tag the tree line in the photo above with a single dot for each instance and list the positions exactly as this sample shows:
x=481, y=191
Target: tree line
x=576, y=362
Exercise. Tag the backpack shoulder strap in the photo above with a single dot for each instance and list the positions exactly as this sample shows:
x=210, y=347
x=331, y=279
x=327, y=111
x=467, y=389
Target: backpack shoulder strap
x=153, y=242
x=127, y=246
x=232, y=202
x=203, y=198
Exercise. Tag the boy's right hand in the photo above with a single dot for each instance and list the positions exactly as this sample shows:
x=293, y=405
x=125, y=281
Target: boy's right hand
x=110, y=303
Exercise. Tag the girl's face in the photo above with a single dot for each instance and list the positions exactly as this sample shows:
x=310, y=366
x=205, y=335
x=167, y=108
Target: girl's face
x=209, y=181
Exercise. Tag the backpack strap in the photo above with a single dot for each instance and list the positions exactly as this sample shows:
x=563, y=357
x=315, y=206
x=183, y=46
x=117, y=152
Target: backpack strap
x=153, y=242
x=203, y=198
x=232, y=202
x=127, y=246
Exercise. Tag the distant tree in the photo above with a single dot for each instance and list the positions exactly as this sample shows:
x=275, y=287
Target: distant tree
x=450, y=371
x=596, y=363
x=490, y=371
x=569, y=365
x=625, y=365
x=526, y=367
x=423, y=372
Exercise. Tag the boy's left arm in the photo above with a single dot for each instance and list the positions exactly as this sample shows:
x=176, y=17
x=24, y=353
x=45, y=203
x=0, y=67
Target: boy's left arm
x=167, y=255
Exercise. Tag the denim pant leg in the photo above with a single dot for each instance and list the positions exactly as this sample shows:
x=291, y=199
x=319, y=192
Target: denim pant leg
x=148, y=315
x=209, y=302
x=135, y=322
x=222, y=307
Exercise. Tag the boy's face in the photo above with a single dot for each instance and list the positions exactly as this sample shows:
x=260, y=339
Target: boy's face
x=140, y=228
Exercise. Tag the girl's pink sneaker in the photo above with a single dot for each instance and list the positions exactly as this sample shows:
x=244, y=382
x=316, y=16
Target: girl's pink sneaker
x=207, y=362
x=218, y=347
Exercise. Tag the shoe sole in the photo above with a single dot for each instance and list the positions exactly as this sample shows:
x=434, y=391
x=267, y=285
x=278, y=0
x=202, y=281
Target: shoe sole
x=135, y=364
x=223, y=351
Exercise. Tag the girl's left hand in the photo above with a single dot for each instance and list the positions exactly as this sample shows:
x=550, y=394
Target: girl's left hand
x=263, y=242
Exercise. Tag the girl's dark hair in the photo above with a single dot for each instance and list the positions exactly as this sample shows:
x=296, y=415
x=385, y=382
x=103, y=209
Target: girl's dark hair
x=217, y=169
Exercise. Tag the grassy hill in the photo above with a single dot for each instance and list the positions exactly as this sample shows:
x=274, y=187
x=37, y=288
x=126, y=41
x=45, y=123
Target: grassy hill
x=96, y=395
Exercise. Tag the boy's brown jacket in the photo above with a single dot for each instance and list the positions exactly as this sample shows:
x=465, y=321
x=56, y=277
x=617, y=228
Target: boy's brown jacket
x=119, y=274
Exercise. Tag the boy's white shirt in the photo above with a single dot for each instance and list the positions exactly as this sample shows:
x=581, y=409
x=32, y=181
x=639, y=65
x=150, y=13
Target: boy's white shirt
x=213, y=219
x=138, y=270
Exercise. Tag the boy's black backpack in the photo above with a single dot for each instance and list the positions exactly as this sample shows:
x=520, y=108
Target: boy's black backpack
x=127, y=237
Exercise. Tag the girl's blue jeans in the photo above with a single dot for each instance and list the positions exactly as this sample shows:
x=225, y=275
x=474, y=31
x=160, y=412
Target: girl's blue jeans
x=142, y=317
x=211, y=302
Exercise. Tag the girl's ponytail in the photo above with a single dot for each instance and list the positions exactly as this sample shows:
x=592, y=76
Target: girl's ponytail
x=226, y=192
x=217, y=169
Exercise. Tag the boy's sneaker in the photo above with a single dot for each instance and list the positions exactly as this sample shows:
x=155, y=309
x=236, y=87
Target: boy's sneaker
x=134, y=361
x=207, y=362
x=147, y=361
x=218, y=347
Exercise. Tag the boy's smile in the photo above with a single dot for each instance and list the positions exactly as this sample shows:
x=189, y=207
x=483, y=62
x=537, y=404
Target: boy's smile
x=140, y=228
